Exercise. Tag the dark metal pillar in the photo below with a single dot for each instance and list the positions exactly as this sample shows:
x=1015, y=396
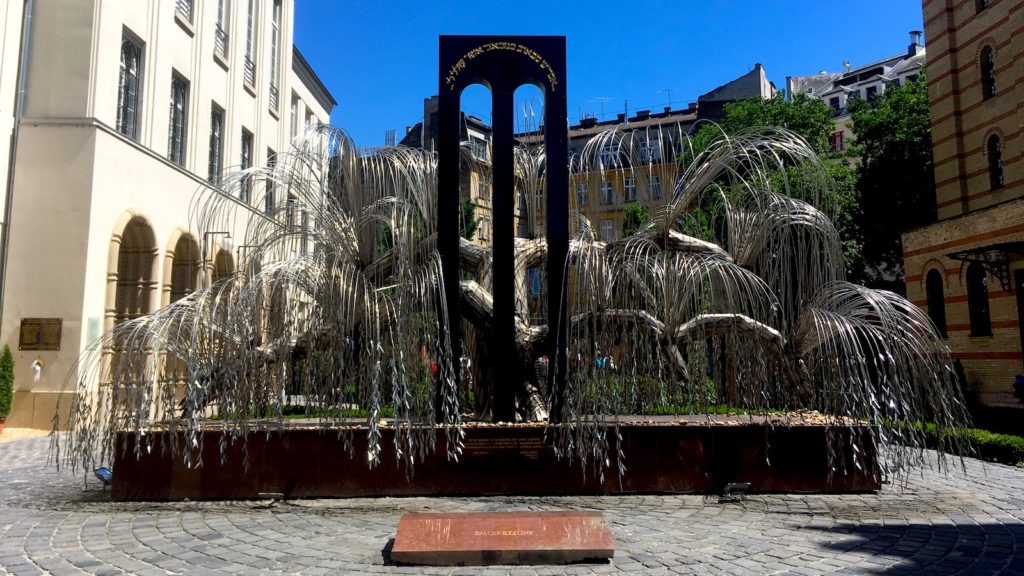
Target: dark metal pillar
x=504, y=359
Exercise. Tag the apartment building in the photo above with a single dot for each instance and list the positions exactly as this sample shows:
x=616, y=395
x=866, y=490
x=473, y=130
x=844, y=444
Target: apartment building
x=839, y=89
x=128, y=109
x=967, y=269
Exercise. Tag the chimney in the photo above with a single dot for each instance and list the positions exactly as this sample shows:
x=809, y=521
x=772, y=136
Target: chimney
x=620, y=117
x=407, y=130
x=916, y=47
x=588, y=122
x=643, y=114
x=668, y=109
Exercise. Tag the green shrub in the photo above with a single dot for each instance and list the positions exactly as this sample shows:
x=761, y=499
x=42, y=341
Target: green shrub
x=6, y=382
x=989, y=446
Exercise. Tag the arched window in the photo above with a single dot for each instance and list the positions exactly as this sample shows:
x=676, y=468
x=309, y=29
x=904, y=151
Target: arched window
x=977, y=300
x=988, y=72
x=936, y=300
x=995, y=162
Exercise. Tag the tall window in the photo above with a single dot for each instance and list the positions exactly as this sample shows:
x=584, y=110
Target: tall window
x=249, y=73
x=184, y=8
x=977, y=300
x=656, y=187
x=294, y=117
x=216, y=145
x=484, y=189
x=246, y=192
x=538, y=198
x=609, y=155
x=581, y=194
x=995, y=162
x=936, y=300
x=176, y=137
x=650, y=150
x=128, y=89
x=304, y=234
x=629, y=188
x=268, y=202
x=275, y=34
x=607, y=232
x=606, y=192
x=220, y=32
x=835, y=141
x=988, y=72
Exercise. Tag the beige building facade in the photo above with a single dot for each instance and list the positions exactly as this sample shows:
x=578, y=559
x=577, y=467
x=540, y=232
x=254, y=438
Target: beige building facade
x=967, y=270
x=131, y=107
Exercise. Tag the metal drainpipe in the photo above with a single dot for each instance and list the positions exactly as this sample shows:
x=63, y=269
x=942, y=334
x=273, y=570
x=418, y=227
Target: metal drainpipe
x=19, y=107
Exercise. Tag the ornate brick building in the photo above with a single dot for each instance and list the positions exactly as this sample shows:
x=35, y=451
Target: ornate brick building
x=967, y=269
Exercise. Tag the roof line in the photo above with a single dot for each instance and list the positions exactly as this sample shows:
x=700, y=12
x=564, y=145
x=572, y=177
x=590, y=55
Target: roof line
x=312, y=81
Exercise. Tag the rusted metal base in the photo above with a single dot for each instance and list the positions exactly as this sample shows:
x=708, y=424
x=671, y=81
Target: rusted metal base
x=304, y=463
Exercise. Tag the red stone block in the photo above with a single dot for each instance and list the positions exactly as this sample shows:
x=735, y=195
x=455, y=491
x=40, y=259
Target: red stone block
x=481, y=538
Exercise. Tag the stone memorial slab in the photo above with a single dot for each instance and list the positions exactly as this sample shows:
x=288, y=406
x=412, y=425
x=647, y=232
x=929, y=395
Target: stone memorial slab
x=483, y=538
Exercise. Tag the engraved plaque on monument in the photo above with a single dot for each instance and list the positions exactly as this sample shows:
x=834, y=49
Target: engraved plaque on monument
x=483, y=538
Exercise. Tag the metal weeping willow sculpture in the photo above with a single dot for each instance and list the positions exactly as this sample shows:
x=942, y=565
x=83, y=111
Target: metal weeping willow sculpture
x=337, y=299
x=732, y=293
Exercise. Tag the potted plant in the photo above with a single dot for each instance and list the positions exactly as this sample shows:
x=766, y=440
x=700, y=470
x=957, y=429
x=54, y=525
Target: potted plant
x=6, y=385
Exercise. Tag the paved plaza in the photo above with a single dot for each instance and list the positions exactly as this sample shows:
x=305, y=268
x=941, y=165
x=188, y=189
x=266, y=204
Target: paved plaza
x=969, y=523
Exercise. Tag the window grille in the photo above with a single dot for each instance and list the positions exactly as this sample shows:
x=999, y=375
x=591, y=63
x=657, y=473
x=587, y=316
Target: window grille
x=995, y=162
x=268, y=202
x=128, y=89
x=216, y=146
x=246, y=191
x=178, y=124
x=275, y=33
x=581, y=194
x=184, y=8
x=249, y=70
x=988, y=72
x=220, y=34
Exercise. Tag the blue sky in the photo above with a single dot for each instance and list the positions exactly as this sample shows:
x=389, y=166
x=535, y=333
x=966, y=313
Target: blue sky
x=379, y=57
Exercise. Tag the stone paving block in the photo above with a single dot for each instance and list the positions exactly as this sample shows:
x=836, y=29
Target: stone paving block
x=939, y=524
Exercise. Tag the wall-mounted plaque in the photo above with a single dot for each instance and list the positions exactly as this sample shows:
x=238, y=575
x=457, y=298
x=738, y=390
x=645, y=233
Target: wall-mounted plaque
x=40, y=334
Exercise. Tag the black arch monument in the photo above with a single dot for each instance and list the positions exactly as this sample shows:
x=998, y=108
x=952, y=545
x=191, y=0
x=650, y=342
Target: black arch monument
x=503, y=64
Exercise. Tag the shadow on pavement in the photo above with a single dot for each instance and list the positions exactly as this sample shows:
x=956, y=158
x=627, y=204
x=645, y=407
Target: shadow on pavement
x=920, y=548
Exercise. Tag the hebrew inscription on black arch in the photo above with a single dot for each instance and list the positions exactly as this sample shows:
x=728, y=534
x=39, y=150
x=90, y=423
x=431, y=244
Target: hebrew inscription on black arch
x=504, y=63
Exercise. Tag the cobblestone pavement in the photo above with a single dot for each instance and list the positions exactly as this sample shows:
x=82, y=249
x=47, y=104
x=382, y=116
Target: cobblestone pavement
x=938, y=524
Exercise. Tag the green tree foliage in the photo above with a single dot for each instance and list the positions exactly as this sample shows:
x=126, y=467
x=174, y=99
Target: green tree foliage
x=809, y=117
x=812, y=120
x=634, y=218
x=467, y=218
x=6, y=382
x=895, y=178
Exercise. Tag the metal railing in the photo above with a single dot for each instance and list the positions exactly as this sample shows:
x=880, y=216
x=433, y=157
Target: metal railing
x=184, y=8
x=249, y=73
x=220, y=41
x=273, y=96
